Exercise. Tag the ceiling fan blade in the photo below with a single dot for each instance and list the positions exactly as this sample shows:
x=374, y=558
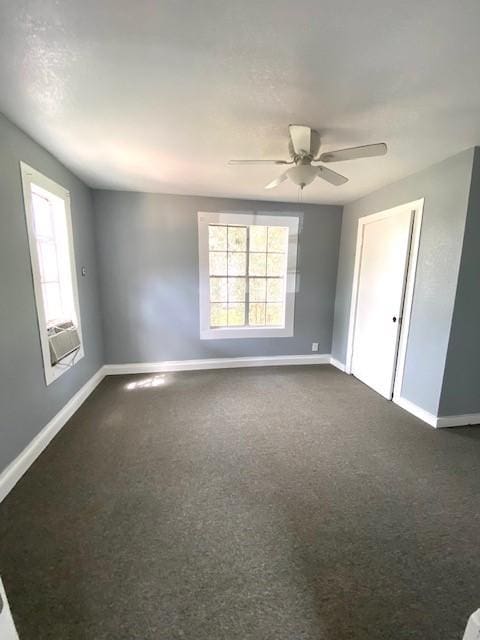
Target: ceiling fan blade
x=274, y=183
x=301, y=137
x=367, y=151
x=233, y=162
x=331, y=176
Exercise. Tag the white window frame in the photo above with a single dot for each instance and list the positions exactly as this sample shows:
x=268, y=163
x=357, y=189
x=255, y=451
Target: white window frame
x=213, y=333
x=32, y=176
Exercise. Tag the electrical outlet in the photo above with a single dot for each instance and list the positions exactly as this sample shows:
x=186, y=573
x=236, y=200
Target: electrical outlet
x=314, y=346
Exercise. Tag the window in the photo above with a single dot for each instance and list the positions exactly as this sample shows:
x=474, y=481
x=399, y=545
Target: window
x=247, y=274
x=47, y=210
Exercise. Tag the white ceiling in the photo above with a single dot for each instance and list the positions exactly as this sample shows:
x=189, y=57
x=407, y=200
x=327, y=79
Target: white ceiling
x=157, y=95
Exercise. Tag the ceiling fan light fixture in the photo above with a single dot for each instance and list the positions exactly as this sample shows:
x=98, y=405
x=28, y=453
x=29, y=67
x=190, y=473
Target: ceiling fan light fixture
x=302, y=174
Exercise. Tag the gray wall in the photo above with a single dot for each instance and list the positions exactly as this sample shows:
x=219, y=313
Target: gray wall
x=27, y=404
x=461, y=383
x=445, y=187
x=148, y=258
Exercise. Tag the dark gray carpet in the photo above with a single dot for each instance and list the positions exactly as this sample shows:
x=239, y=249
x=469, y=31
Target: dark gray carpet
x=285, y=503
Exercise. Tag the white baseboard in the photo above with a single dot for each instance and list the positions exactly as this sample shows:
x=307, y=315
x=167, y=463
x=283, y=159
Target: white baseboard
x=417, y=411
x=439, y=422
x=458, y=421
x=336, y=363
x=213, y=363
x=15, y=470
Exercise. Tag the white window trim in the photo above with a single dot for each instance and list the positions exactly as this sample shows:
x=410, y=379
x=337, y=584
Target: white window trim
x=31, y=176
x=206, y=218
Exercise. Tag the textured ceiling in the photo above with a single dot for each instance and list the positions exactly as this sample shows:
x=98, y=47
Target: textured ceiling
x=157, y=95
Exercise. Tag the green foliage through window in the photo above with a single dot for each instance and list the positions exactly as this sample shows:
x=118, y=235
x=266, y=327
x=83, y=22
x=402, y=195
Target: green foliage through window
x=247, y=269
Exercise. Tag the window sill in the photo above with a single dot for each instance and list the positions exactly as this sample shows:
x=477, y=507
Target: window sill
x=55, y=372
x=245, y=332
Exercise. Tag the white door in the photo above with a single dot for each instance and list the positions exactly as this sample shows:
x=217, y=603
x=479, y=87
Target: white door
x=385, y=250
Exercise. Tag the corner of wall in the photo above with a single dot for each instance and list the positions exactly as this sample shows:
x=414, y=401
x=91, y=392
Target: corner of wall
x=98, y=264
x=460, y=393
x=338, y=353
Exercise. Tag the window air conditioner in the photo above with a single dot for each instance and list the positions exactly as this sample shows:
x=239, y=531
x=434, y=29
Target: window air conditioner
x=63, y=340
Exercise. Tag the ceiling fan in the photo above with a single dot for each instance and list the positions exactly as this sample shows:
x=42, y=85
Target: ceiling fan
x=303, y=147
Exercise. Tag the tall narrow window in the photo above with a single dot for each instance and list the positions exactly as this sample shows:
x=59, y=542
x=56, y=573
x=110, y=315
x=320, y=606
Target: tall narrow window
x=247, y=275
x=47, y=210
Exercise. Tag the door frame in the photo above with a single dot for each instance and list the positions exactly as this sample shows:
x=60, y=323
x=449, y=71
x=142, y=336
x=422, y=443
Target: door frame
x=416, y=207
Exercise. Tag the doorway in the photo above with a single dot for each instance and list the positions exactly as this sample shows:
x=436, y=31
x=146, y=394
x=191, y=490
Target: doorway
x=382, y=294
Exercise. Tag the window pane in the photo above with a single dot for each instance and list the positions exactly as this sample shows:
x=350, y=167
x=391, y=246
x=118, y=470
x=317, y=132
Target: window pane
x=258, y=238
x=218, y=263
x=218, y=290
x=42, y=216
x=236, y=289
x=218, y=315
x=275, y=290
x=52, y=301
x=278, y=239
x=237, y=264
x=217, y=238
x=256, y=313
x=257, y=264
x=274, y=314
x=237, y=238
x=236, y=315
x=276, y=264
x=257, y=289
x=47, y=257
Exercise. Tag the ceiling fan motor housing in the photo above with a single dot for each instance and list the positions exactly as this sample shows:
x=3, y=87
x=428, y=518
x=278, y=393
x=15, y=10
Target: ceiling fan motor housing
x=313, y=147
